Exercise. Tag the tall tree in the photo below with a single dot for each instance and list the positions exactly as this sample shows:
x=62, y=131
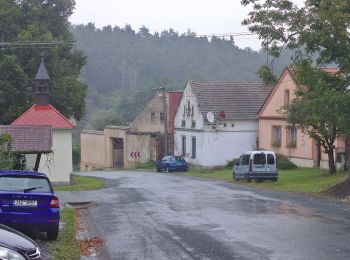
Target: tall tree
x=39, y=21
x=319, y=33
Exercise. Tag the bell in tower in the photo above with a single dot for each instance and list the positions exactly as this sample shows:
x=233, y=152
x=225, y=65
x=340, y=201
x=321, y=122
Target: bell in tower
x=42, y=85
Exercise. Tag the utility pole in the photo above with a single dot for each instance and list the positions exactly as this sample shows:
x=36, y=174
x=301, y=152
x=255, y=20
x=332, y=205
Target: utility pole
x=165, y=117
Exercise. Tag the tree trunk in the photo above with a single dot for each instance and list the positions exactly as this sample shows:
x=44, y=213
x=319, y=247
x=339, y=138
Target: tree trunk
x=331, y=162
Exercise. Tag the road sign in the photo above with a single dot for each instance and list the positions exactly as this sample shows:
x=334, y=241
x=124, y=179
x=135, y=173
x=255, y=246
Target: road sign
x=135, y=154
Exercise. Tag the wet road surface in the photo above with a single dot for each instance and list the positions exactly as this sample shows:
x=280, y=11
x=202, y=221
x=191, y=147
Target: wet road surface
x=144, y=215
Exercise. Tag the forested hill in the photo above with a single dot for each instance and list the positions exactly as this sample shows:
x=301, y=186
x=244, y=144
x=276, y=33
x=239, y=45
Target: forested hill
x=124, y=65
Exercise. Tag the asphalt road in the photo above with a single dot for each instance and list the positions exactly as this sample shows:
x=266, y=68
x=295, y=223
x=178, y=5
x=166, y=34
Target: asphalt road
x=165, y=216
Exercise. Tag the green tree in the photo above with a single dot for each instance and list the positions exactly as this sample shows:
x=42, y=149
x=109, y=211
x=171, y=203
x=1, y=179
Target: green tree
x=319, y=34
x=39, y=21
x=6, y=157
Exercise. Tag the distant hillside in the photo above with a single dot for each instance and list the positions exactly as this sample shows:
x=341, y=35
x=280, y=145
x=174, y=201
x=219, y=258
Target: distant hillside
x=124, y=65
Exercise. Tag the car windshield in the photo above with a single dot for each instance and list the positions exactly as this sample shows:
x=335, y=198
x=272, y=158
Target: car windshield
x=178, y=158
x=25, y=184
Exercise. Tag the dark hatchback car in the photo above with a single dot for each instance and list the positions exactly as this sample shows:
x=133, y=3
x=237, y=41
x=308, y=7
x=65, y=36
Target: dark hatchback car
x=27, y=201
x=172, y=163
x=15, y=245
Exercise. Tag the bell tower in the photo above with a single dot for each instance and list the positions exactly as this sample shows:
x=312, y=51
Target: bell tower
x=41, y=92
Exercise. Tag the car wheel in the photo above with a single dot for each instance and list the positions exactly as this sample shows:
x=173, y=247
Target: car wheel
x=247, y=178
x=158, y=169
x=52, y=233
x=185, y=169
x=275, y=179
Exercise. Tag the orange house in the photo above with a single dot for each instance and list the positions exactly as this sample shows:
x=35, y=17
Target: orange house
x=276, y=135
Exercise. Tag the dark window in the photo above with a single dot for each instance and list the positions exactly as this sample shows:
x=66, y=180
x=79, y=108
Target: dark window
x=42, y=87
x=245, y=159
x=193, y=124
x=270, y=159
x=183, y=123
x=183, y=145
x=276, y=136
x=161, y=116
x=286, y=98
x=194, y=147
x=153, y=117
x=188, y=108
x=9, y=183
x=259, y=158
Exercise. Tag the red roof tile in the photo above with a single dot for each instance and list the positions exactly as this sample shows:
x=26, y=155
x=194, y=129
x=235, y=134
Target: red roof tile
x=232, y=99
x=29, y=139
x=43, y=115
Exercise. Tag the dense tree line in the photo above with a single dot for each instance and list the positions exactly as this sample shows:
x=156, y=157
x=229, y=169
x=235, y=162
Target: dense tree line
x=29, y=22
x=124, y=65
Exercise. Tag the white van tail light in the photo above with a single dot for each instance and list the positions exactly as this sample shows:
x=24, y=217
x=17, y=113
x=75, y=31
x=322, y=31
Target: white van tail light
x=250, y=166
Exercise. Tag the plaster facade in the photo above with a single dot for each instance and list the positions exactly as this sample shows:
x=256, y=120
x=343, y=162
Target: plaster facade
x=215, y=143
x=57, y=165
x=304, y=151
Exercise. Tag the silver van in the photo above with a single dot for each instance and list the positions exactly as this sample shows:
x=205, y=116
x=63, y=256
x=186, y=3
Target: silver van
x=256, y=165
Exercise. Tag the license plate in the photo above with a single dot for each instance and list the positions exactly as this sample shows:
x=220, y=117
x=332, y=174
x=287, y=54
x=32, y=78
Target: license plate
x=25, y=203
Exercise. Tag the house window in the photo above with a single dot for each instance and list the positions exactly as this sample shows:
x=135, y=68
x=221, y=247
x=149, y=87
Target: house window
x=193, y=124
x=276, y=136
x=42, y=88
x=292, y=137
x=188, y=108
x=194, y=147
x=153, y=117
x=184, y=115
x=183, y=123
x=183, y=145
x=286, y=98
x=161, y=116
x=192, y=112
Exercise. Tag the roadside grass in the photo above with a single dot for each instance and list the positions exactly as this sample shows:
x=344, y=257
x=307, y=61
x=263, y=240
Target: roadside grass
x=66, y=246
x=82, y=183
x=300, y=180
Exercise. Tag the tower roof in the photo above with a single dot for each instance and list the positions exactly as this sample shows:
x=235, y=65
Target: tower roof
x=42, y=72
x=43, y=115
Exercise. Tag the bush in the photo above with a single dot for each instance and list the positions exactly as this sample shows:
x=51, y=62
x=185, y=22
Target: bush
x=147, y=165
x=76, y=154
x=230, y=163
x=283, y=163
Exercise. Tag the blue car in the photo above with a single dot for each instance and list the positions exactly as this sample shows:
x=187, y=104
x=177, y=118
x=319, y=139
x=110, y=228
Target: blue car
x=172, y=163
x=27, y=201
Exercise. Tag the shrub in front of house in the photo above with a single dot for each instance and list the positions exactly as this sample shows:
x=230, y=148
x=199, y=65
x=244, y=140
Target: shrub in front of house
x=232, y=162
x=283, y=163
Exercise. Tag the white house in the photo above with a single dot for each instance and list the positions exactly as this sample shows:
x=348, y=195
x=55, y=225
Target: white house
x=58, y=164
x=217, y=121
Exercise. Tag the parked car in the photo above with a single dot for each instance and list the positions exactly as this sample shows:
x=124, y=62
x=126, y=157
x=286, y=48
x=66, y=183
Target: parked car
x=15, y=245
x=172, y=163
x=27, y=201
x=256, y=165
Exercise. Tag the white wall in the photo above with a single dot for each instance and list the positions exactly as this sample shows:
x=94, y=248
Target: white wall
x=216, y=143
x=58, y=165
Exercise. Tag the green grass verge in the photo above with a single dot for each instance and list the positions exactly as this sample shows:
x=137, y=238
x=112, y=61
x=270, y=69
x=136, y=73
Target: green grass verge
x=301, y=180
x=66, y=246
x=82, y=183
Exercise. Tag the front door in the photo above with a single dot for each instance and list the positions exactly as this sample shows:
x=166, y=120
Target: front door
x=118, y=152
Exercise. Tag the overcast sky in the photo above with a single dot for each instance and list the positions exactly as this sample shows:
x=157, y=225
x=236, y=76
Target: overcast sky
x=205, y=17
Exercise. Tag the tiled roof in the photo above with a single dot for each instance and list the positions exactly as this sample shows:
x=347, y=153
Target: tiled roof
x=29, y=138
x=236, y=100
x=44, y=115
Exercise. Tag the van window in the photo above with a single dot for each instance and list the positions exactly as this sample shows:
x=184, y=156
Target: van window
x=259, y=158
x=270, y=159
x=245, y=159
